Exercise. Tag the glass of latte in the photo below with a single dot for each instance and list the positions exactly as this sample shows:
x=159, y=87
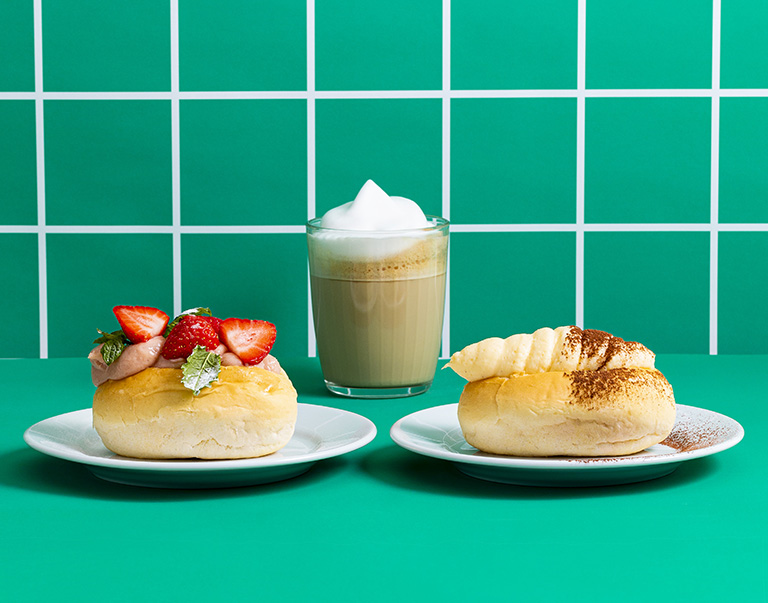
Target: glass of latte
x=377, y=275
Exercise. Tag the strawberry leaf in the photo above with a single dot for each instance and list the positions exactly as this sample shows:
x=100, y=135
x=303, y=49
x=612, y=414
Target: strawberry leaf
x=113, y=345
x=177, y=320
x=201, y=369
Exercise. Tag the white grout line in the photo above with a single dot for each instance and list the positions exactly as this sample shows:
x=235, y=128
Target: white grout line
x=310, y=95
x=244, y=95
x=455, y=228
x=714, y=181
x=586, y=227
x=392, y=94
x=581, y=83
x=311, y=160
x=42, y=262
x=741, y=227
x=175, y=160
x=388, y=94
x=446, y=168
x=244, y=229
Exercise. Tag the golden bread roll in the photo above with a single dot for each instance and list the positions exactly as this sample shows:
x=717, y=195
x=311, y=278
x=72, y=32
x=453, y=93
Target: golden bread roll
x=248, y=412
x=563, y=391
x=579, y=413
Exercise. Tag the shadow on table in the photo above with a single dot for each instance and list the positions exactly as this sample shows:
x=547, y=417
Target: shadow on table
x=403, y=469
x=307, y=378
x=29, y=470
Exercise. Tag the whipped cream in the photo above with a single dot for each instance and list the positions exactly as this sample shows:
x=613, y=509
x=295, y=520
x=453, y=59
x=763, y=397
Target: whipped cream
x=373, y=209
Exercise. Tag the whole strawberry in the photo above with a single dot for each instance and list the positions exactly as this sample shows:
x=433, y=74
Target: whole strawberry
x=215, y=322
x=191, y=331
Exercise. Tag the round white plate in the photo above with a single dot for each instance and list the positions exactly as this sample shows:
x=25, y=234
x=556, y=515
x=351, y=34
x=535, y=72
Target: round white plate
x=321, y=432
x=436, y=432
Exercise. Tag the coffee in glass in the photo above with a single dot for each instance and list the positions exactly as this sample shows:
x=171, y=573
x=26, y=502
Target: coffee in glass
x=378, y=297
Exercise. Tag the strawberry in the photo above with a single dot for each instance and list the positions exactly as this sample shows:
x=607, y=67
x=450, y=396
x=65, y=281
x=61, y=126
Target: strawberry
x=251, y=340
x=215, y=322
x=140, y=323
x=191, y=331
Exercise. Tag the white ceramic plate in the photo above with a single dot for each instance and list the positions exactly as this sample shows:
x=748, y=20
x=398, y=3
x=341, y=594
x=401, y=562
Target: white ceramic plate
x=321, y=432
x=698, y=432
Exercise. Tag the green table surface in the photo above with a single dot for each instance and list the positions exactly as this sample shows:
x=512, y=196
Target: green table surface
x=383, y=523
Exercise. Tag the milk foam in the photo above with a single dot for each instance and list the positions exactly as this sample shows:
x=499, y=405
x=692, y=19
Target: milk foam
x=372, y=227
x=373, y=209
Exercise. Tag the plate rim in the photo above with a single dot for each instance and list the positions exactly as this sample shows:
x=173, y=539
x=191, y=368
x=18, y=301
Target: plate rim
x=118, y=462
x=501, y=462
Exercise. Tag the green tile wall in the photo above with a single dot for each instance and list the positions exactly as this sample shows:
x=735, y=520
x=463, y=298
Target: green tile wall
x=244, y=161
x=636, y=279
x=242, y=45
x=18, y=167
x=602, y=163
x=264, y=276
x=528, y=282
x=744, y=160
x=395, y=142
x=107, y=46
x=649, y=44
x=19, y=278
x=17, y=48
x=393, y=45
x=107, y=162
x=88, y=274
x=498, y=44
x=648, y=160
x=513, y=160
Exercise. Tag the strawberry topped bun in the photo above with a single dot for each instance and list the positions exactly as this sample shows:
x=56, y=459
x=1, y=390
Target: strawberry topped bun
x=192, y=387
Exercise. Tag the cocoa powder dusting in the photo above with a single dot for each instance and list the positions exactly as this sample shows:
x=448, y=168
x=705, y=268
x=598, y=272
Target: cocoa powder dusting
x=615, y=346
x=572, y=341
x=586, y=386
x=688, y=436
x=594, y=343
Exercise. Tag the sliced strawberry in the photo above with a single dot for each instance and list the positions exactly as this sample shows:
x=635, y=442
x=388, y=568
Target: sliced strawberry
x=251, y=340
x=141, y=323
x=191, y=331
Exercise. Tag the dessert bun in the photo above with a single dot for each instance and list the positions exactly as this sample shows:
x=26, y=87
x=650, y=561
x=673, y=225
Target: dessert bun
x=248, y=412
x=578, y=413
x=562, y=392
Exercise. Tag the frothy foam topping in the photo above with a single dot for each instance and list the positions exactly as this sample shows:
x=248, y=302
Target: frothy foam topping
x=373, y=209
x=373, y=228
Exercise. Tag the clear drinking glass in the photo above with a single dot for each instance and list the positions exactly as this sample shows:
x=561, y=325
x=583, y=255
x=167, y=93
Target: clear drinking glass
x=378, y=299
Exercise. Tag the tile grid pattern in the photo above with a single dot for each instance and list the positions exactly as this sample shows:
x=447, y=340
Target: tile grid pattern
x=446, y=94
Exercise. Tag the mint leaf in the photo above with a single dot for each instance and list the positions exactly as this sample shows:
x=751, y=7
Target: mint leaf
x=113, y=345
x=191, y=311
x=201, y=369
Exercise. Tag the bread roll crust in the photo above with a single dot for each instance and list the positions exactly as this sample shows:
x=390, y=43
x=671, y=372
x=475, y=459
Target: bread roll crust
x=609, y=412
x=248, y=412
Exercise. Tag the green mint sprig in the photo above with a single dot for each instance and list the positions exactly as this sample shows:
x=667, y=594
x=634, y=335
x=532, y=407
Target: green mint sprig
x=190, y=312
x=113, y=344
x=201, y=369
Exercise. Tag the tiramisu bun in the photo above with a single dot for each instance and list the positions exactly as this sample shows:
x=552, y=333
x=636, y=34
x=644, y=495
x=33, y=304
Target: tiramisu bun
x=562, y=392
x=198, y=387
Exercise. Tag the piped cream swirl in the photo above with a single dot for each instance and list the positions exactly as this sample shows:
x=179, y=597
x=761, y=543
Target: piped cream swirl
x=563, y=349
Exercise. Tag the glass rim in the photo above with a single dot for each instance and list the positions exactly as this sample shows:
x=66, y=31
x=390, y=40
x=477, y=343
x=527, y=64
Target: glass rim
x=438, y=223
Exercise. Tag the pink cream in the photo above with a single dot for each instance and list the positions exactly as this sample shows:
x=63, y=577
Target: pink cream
x=139, y=356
